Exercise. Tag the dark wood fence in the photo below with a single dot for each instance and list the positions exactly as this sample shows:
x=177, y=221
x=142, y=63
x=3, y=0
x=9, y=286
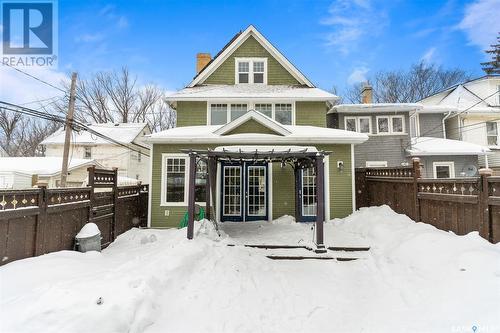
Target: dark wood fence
x=41, y=220
x=459, y=205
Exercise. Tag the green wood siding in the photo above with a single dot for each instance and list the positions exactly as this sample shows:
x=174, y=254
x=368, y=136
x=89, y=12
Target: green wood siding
x=252, y=126
x=191, y=113
x=310, y=113
x=283, y=186
x=276, y=74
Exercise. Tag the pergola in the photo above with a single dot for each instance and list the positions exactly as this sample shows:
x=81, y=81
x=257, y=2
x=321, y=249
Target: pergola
x=297, y=157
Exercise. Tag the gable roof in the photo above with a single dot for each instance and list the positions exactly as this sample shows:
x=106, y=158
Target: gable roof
x=122, y=132
x=258, y=117
x=453, y=87
x=235, y=42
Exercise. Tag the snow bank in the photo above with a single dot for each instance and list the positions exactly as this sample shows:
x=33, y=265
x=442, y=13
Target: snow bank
x=415, y=278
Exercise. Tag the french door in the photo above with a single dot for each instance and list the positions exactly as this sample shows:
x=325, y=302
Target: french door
x=306, y=187
x=244, y=191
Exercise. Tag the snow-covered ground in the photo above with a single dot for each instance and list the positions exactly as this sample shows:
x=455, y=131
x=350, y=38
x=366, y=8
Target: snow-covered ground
x=415, y=278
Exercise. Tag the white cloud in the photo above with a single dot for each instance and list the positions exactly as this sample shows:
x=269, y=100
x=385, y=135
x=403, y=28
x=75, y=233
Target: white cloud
x=87, y=37
x=481, y=23
x=358, y=75
x=428, y=56
x=351, y=21
x=18, y=88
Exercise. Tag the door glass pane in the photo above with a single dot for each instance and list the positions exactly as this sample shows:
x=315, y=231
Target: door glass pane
x=383, y=125
x=364, y=125
x=175, y=179
x=237, y=110
x=232, y=190
x=309, y=192
x=283, y=113
x=265, y=109
x=218, y=114
x=397, y=125
x=256, y=191
x=442, y=171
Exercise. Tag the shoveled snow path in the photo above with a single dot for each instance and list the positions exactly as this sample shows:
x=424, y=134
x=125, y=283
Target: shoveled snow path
x=414, y=279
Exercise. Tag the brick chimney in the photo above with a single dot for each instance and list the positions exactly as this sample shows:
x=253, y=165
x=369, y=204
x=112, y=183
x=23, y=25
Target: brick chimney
x=202, y=59
x=367, y=94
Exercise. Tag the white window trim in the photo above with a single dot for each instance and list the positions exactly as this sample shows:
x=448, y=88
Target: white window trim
x=163, y=193
x=250, y=69
x=391, y=132
x=417, y=125
x=498, y=133
x=250, y=106
x=376, y=164
x=358, y=124
x=449, y=164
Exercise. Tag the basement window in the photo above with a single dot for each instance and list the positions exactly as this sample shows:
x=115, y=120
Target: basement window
x=251, y=70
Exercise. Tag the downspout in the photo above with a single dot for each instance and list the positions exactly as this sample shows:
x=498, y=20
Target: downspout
x=443, y=122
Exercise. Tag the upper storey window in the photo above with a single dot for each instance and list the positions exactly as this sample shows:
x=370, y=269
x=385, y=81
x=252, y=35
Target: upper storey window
x=251, y=70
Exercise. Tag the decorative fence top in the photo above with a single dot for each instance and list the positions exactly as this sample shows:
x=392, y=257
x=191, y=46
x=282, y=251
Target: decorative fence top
x=102, y=178
x=68, y=195
x=401, y=172
x=19, y=199
x=455, y=186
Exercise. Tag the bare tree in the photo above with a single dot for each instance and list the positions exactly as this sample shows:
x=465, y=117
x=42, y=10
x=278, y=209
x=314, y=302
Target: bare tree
x=21, y=135
x=410, y=86
x=115, y=97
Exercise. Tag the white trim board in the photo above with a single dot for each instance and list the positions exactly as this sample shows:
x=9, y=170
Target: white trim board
x=250, y=31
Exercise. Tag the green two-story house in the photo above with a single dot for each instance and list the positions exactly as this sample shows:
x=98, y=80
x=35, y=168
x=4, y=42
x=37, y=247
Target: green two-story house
x=261, y=119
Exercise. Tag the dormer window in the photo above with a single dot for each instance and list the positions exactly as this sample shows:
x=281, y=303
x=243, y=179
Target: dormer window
x=251, y=70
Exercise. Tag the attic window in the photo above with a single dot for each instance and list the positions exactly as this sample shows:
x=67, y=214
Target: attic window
x=251, y=70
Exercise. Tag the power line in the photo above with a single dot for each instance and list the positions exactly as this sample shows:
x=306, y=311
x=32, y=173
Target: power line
x=34, y=77
x=75, y=124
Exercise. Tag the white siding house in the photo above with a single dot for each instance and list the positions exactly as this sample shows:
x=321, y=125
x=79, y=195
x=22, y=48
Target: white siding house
x=24, y=172
x=130, y=163
x=472, y=114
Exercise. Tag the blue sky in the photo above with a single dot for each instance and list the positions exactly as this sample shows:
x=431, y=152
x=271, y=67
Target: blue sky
x=335, y=43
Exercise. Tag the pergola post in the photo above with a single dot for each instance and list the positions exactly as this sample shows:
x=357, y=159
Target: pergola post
x=207, y=193
x=191, y=201
x=296, y=173
x=320, y=203
x=212, y=175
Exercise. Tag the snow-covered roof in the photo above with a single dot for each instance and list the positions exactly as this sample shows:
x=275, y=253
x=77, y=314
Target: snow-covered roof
x=121, y=132
x=295, y=134
x=474, y=96
x=375, y=107
x=251, y=91
x=42, y=166
x=429, y=146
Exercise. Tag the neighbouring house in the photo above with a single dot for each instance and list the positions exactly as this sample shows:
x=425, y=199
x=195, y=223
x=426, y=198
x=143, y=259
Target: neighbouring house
x=471, y=112
x=262, y=124
x=132, y=159
x=24, y=172
x=400, y=131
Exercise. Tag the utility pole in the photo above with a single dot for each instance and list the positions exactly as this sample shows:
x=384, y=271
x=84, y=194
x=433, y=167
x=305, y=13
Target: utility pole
x=69, y=124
